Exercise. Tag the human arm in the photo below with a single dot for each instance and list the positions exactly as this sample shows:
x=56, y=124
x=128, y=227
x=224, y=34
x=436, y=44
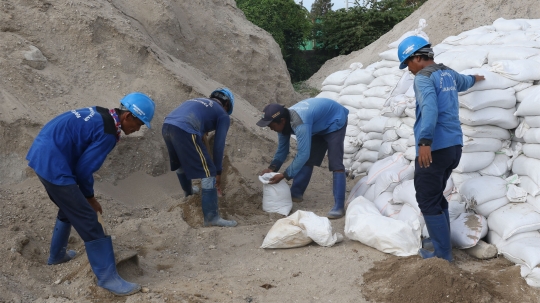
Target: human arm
x=222, y=127
x=95, y=204
x=464, y=82
x=280, y=155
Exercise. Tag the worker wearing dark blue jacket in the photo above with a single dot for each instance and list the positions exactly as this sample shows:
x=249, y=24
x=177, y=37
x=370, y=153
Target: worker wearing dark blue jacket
x=320, y=126
x=64, y=155
x=183, y=132
x=438, y=135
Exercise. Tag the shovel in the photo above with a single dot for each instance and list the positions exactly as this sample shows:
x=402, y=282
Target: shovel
x=121, y=254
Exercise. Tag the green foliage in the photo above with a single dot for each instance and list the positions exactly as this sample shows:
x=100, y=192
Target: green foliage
x=355, y=28
x=320, y=8
x=304, y=89
x=287, y=22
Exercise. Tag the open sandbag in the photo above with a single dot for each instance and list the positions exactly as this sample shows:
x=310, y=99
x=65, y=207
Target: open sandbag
x=364, y=223
x=276, y=197
x=300, y=229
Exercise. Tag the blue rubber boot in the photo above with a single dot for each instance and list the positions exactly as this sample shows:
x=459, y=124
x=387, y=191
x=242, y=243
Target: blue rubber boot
x=339, y=185
x=186, y=184
x=210, y=210
x=60, y=237
x=300, y=183
x=439, y=232
x=101, y=256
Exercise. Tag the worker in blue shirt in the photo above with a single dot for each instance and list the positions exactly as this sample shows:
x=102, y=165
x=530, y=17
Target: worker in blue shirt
x=64, y=155
x=320, y=126
x=183, y=132
x=438, y=136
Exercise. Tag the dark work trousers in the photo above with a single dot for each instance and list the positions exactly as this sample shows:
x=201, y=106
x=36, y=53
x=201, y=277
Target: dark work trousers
x=333, y=143
x=75, y=209
x=430, y=182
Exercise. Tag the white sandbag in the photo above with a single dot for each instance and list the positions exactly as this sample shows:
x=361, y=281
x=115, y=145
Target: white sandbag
x=384, y=205
x=467, y=229
x=404, y=84
x=276, y=197
x=355, y=90
x=390, y=54
x=393, y=123
x=485, y=131
x=471, y=145
x=455, y=206
x=498, y=168
x=374, y=136
x=487, y=208
x=511, y=53
x=385, y=150
x=390, y=166
x=524, y=251
x=350, y=100
x=375, y=125
x=472, y=162
x=332, y=88
x=359, y=189
x=365, y=154
x=352, y=110
x=495, y=239
x=365, y=166
x=382, y=63
x=352, y=119
x=405, y=193
x=532, y=135
x=463, y=60
x=373, y=145
x=417, y=32
x=531, y=276
x=503, y=98
x=405, y=131
x=300, y=229
x=532, y=90
x=503, y=25
x=389, y=70
x=367, y=113
x=337, y=78
x=460, y=178
x=534, y=201
x=529, y=105
x=530, y=187
x=411, y=216
x=501, y=117
x=473, y=39
x=400, y=145
x=523, y=70
x=492, y=81
x=479, y=190
x=352, y=131
x=525, y=166
x=532, y=121
x=372, y=102
x=359, y=76
x=378, y=91
x=328, y=95
x=364, y=223
x=390, y=135
x=385, y=80
x=522, y=86
x=410, y=153
x=514, y=218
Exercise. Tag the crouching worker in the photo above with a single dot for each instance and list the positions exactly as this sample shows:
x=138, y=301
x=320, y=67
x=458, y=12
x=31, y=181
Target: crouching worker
x=438, y=136
x=319, y=125
x=64, y=155
x=183, y=132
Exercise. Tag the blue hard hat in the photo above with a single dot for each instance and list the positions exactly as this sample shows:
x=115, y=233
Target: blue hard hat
x=140, y=105
x=408, y=47
x=225, y=95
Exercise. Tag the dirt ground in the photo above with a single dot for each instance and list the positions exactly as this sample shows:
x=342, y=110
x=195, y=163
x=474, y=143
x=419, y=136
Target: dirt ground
x=97, y=51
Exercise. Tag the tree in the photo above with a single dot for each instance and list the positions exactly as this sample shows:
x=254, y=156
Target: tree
x=287, y=22
x=320, y=8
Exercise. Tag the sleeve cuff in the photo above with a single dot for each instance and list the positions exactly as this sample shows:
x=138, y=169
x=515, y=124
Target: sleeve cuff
x=218, y=172
x=424, y=142
x=286, y=176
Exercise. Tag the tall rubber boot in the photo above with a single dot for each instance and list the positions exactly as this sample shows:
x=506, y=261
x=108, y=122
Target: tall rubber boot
x=210, y=210
x=58, y=253
x=339, y=185
x=426, y=243
x=300, y=183
x=439, y=232
x=101, y=256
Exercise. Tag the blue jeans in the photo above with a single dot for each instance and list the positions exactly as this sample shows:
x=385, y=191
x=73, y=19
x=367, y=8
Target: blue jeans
x=430, y=182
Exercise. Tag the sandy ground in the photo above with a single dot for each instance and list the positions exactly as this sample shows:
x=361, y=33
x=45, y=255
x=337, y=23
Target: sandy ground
x=95, y=53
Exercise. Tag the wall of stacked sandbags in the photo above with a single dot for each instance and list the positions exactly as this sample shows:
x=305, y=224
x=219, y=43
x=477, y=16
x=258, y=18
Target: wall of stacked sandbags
x=495, y=189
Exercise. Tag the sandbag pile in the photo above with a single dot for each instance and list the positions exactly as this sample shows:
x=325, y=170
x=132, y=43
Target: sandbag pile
x=496, y=184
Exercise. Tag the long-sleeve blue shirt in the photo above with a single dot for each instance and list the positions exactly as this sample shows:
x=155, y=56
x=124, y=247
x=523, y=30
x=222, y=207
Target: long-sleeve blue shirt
x=199, y=116
x=437, y=107
x=317, y=116
x=72, y=146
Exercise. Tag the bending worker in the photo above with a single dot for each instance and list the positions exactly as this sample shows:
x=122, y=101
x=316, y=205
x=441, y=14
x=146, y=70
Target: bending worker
x=64, y=155
x=438, y=136
x=319, y=125
x=183, y=131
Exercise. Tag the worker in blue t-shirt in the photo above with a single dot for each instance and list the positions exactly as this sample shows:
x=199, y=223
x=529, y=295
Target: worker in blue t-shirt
x=183, y=132
x=319, y=125
x=438, y=136
x=64, y=155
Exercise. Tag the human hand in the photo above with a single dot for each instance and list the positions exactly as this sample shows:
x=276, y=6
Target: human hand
x=276, y=179
x=218, y=186
x=424, y=156
x=268, y=170
x=479, y=78
x=95, y=204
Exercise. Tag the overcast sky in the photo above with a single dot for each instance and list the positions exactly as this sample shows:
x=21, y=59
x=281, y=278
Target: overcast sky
x=337, y=4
